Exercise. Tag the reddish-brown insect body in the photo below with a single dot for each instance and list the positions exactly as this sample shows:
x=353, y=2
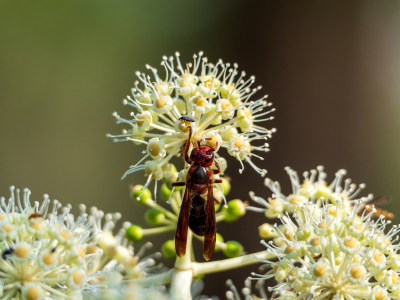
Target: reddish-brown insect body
x=378, y=212
x=35, y=215
x=197, y=210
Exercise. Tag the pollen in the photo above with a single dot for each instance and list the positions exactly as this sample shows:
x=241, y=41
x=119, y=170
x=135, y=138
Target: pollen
x=48, y=259
x=7, y=228
x=239, y=143
x=380, y=294
x=357, y=272
x=289, y=234
x=36, y=225
x=226, y=106
x=319, y=270
x=92, y=249
x=199, y=101
x=322, y=225
x=65, y=234
x=295, y=200
x=33, y=293
x=289, y=249
x=379, y=257
x=395, y=278
x=78, y=278
x=22, y=251
x=315, y=241
x=332, y=211
x=140, y=120
x=154, y=149
x=350, y=242
x=161, y=102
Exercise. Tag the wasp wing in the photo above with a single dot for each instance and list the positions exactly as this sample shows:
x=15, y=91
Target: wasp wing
x=182, y=227
x=211, y=226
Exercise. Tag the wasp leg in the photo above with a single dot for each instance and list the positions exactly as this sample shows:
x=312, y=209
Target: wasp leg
x=218, y=170
x=217, y=181
x=216, y=200
x=179, y=183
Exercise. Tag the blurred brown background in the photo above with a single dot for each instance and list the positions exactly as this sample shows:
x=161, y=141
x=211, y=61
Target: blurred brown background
x=332, y=68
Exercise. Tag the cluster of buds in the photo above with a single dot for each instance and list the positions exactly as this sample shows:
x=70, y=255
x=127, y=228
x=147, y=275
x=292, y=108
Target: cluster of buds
x=215, y=102
x=163, y=219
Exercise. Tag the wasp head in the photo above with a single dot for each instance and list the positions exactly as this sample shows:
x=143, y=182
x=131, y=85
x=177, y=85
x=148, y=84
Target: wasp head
x=202, y=156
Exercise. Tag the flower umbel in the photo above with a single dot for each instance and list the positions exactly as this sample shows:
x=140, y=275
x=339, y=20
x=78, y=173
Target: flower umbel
x=47, y=253
x=334, y=253
x=45, y=250
x=215, y=100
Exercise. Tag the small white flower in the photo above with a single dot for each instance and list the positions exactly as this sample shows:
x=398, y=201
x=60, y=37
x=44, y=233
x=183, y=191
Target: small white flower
x=156, y=148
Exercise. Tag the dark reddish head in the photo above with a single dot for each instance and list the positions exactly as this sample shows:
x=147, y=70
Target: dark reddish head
x=202, y=156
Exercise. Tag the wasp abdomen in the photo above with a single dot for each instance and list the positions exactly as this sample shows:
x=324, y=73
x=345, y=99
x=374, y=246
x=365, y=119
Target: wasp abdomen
x=198, y=215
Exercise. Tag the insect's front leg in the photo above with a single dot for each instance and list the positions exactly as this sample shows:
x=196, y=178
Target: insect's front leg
x=179, y=183
x=218, y=170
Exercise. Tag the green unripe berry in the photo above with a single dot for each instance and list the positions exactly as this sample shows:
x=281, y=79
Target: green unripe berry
x=168, y=249
x=165, y=192
x=236, y=209
x=134, y=233
x=220, y=239
x=154, y=217
x=233, y=249
x=140, y=195
x=226, y=186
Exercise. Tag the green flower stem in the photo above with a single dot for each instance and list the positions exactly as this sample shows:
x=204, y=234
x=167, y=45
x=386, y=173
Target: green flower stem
x=220, y=216
x=157, y=230
x=170, y=215
x=230, y=263
x=155, y=280
x=176, y=200
x=182, y=275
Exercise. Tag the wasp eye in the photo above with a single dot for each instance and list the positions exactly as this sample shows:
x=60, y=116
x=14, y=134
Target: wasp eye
x=208, y=158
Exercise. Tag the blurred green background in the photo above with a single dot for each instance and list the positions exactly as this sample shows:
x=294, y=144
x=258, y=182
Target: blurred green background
x=332, y=68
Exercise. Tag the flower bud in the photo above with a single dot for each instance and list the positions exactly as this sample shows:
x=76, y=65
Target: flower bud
x=236, y=209
x=165, y=192
x=142, y=196
x=168, y=249
x=134, y=233
x=154, y=217
x=233, y=249
x=266, y=231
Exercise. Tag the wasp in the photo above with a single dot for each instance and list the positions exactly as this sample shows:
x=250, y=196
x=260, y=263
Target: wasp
x=197, y=209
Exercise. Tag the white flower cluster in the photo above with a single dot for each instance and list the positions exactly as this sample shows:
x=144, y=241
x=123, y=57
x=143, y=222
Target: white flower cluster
x=313, y=188
x=214, y=101
x=329, y=251
x=47, y=253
